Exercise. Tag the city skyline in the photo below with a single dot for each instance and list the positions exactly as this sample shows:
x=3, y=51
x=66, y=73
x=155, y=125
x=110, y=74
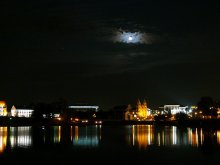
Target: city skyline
x=109, y=53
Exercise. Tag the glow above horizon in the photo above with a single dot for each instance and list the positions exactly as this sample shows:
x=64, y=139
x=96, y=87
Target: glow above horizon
x=130, y=37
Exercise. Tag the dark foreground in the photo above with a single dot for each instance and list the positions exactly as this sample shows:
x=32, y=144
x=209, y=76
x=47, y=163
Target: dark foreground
x=112, y=155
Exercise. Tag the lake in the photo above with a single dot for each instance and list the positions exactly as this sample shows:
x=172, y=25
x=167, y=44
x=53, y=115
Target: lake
x=109, y=144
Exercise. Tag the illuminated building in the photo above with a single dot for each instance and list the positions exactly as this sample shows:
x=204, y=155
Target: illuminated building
x=140, y=113
x=130, y=113
x=84, y=108
x=13, y=111
x=142, y=110
x=21, y=112
x=174, y=109
x=3, y=108
x=82, y=111
x=51, y=115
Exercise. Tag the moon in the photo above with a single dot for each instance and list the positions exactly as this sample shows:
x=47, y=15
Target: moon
x=130, y=38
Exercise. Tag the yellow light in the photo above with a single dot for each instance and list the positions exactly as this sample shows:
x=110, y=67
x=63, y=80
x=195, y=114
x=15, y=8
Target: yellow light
x=218, y=136
x=3, y=139
x=2, y=103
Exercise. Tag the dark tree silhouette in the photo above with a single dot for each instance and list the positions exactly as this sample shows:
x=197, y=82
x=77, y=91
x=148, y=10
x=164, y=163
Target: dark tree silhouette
x=40, y=109
x=181, y=116
x=207, y=106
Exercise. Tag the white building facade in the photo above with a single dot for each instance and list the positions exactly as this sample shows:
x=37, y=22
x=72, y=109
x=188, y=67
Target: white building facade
x=21, y=112
x=174, y=109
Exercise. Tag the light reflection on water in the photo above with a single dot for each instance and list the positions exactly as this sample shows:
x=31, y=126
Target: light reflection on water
x=140, y=136
x=218, y=136
x=85, y=136
x=57, y=134
x=15, y=137
x=20, y=136
x=3, y=138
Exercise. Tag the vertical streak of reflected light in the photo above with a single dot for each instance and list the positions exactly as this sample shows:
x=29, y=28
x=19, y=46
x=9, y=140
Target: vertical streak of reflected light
x=13, y=139
x=150, y=134
x=197, y=138
x=142, y=136
x=3, y=138
x=71, y=133
x=87, y=136
x=174, y=135
x=59, y=133
x=133, y=135
x=163, y=136
x=189, y=136
x=24, y=136
x=76, y=133
x=100, y=133
x=201, y=137
x=158, y=138
x=194, y=137
x=218, y=137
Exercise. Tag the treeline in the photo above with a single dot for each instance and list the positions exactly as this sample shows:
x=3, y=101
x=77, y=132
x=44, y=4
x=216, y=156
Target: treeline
x=41, y=108
x=208, y=106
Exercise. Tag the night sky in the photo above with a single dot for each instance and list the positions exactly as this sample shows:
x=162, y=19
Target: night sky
x=51, y=49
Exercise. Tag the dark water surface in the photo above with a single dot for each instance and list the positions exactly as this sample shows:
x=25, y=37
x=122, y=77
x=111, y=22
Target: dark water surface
x=105, y=144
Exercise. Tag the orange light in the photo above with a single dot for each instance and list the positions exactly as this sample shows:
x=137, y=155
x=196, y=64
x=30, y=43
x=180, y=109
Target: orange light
x=2, y=103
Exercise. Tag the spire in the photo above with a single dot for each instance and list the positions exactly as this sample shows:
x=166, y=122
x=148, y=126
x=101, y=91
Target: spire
x=13, y=108
x=138, y=102
x=145, y=102
x=129, y=107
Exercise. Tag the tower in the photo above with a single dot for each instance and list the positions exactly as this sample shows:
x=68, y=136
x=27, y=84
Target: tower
x=13, y=111
x=142, y=109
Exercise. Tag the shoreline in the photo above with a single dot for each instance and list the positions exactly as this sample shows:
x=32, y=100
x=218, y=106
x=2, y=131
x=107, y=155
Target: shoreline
x=204, y=123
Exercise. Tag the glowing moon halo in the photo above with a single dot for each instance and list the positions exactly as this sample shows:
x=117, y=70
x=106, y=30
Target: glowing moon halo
x=129, y=37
